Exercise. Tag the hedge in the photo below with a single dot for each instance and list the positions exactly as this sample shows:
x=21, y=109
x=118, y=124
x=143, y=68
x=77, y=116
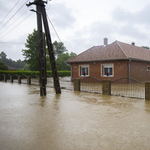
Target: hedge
x=33, y=73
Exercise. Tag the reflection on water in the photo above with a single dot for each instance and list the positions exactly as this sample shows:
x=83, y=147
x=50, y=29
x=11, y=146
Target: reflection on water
x=71, y=120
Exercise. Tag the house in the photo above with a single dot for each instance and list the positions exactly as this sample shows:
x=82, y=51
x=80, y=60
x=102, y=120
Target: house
x=10, y=68
x=112, y=61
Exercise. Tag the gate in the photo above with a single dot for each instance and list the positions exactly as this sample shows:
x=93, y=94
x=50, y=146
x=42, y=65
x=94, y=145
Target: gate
x=128, y=88
x=91, y=84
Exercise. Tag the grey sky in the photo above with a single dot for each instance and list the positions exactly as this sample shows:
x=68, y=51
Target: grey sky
x=79, y=24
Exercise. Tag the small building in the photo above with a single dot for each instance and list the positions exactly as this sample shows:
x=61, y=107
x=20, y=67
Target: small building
x=112, y=61
x=10, y=68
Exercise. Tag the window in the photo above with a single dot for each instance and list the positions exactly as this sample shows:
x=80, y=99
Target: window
x=148, y=68
x=84, y=70
x=108, y=70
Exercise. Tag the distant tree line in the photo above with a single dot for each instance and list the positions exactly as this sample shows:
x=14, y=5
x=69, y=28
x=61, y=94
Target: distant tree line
x=145, y=47
x=9, y=62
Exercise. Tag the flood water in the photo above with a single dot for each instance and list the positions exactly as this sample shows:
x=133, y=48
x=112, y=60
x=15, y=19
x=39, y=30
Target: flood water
x=71, y=120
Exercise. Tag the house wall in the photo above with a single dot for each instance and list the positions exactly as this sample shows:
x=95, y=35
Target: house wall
x=138, y=71
x=120, y=69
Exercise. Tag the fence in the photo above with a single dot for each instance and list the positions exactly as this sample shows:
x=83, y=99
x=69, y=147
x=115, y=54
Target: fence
x=128, y=88
x=122, y=87
x=91, y=84
x=65, y=82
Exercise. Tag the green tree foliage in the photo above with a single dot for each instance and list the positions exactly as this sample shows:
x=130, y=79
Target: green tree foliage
x=3, y=66
x=32, y=55
x=61, y=61
x=145, y=47
x=59, y=49
x=3, y=57
x=31, y=52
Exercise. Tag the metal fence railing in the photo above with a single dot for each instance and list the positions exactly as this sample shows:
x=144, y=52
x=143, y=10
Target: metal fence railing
x=128, y=88
x=91, y=84
x=65, y=82
x=122, y=87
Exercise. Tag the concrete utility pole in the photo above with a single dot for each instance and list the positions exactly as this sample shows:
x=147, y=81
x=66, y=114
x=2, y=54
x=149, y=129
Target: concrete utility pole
x=40, y=10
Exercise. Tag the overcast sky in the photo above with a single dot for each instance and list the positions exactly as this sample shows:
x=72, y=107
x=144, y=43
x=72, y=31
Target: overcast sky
x=79, y=24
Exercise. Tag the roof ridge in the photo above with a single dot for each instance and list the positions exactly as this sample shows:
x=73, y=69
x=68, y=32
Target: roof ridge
x=121, y=48
x=80, y=53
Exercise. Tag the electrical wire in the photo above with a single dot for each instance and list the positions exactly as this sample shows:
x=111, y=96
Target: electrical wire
x=14, y=21
x=53, y=27
x=16, y=25
x=9, y=11
x=12, y=43
x=13, y=15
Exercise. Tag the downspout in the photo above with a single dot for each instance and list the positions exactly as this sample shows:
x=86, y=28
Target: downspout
x=71, y=72
x=129, y=71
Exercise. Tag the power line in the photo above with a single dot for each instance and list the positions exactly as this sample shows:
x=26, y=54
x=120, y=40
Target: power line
x=14, y=21
x=10, y=11
x=13, y=15
x=12, y=43
x=53, y=27
x=15, y=26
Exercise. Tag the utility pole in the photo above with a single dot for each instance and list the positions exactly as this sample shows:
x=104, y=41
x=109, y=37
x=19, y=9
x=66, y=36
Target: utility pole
x=41, y=13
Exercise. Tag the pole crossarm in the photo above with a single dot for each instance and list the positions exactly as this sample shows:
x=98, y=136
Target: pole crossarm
x=39, y=2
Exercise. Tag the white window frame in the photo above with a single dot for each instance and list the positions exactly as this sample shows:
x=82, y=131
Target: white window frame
x=148, y=68
x=103, y=66
x=80, y=70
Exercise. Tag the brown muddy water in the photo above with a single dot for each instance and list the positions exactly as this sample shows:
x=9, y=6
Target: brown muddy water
x=71, y=120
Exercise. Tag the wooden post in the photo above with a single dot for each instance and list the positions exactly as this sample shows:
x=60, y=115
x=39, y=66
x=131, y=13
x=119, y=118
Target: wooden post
x=19, y=79
x=28, y=80
x=106, y=87
x=11, y=79
x=147, y=90
x=5, y=78
x=76, y=84
x=1, y=77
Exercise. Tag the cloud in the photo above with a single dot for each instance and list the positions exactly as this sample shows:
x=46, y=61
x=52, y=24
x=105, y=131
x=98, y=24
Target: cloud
x=61, y=15
x=140, y=17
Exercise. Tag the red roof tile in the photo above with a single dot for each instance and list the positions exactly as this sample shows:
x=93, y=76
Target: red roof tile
x=114, y=51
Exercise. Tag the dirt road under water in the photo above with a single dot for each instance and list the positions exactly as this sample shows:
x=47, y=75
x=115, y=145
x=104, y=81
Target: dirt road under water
x=71, y=120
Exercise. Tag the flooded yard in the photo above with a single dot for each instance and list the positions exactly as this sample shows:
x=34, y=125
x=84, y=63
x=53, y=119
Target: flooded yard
x=71, y=120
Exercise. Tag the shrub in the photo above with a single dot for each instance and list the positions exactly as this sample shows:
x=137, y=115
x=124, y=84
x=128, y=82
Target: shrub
x=33, y=73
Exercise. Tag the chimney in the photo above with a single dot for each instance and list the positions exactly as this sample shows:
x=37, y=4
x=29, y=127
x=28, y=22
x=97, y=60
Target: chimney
x=133, y=43
x=105, y=41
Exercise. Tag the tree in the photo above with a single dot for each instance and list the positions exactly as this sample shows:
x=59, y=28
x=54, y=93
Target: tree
x=145, y=47
x=10, y=62
x=3, y=57
x=3, y=66
x=61, y=61
x=31, y=53
x=59, y=48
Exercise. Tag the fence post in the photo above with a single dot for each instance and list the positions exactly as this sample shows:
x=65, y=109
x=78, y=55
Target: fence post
x=106, y=87
x=19, y=79
x=28, y=80
x=1, y=78
x=11, y=79
x=5, y=78
x=76, y=84
x=147, y=90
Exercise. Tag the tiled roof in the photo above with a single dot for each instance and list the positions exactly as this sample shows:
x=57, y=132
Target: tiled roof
x=114, y=51
x=11, y=68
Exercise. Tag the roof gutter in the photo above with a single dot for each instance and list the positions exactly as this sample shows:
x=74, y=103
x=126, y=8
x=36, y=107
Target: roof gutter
x=96, y=60
x=109, y=60
x=129, y=71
